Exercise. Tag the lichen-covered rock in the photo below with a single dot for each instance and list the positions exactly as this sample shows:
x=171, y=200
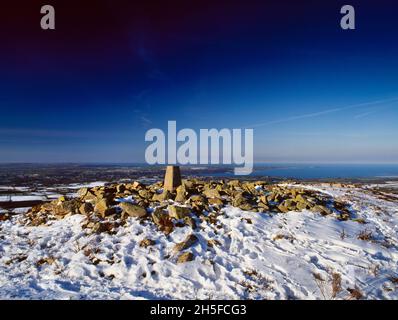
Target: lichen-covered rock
x=321, y=209
x=189, y=221
x=81, y=193
x=211, y=193
x=282, y=208
x=162, y=220
x=197, y=198
x=145, y=194
x=120, y=188
x=185, y=257
x=160, y=197
x=216, y=201
x=189, y=241
x=64, y=207
x=181, y=194
x=4, y=216
x=133, y=210
x=178, y=212
x=103, y=208
x=147, y=243
x=86, y=208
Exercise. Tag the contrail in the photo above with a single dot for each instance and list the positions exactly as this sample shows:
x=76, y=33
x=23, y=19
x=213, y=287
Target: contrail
x=320, y=113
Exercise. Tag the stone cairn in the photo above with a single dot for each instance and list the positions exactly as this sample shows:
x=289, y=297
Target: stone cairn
x=176, y=203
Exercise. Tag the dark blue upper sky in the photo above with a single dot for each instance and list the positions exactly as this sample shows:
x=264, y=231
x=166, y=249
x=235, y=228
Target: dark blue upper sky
x=88, y=91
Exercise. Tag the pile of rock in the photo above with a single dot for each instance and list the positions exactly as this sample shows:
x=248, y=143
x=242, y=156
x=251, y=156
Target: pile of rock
x=108, y=207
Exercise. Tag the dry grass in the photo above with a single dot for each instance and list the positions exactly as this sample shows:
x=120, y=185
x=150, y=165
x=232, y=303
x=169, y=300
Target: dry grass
x=166, y=224
x=334, y=282
x=255, y=281
x=320, y=282
x=281, y=236
x=16, y=259
x=77, y=247
x=394, y=280
x=355, y=293
x=374, y=270
x=365, y=235
x=278, y=237
x=249, y=221
x=47, y=260
x=359, y=220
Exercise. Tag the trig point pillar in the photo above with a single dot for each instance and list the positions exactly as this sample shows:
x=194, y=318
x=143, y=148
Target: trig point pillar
x=172, y=179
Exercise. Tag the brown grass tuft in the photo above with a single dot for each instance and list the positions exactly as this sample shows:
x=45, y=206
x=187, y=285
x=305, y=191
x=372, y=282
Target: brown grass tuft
x=355, y=293
x=336, y=284
x=365, y=235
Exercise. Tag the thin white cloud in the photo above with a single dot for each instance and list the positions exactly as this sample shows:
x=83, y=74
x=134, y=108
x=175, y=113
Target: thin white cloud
x=145, y=120
x=365, y=114
x=321, y=113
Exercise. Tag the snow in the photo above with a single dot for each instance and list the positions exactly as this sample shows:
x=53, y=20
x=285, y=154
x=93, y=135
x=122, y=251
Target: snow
x=254, y=256
x=86, y=185
x=387, y=184
x=14, y=188
x=22, y=198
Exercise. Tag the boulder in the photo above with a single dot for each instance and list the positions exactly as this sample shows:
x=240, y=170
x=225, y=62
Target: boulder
x=282, y=208
x=246, y=207
x=263, y=207
x=178, y=212
x=89, y=196
x=302, y=206
x=181, y=194
x=189, y=241
x=103, y=194
x=145, y=194
x=189, y=184
x=65, y=207
x=216, y=202
x=4, y=216
x=146, y=243
x=162, y=220
x=120, y=188
x=61, y=199
x=103, y=208
x=81, y=193
x=133, y=210
x=100, y=227
x=185, y=257
x=321, y=209
x=234, y=183
x=86, y=208
x=197, y=198
x=160, y=197
x=189, y=221
x=136, y=185
x=250, y=187
x=290, y=204
x=263, y=199
x=239, y=200
x=211, y=193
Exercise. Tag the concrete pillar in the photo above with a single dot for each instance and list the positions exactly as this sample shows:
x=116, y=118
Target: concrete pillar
x=172, y=179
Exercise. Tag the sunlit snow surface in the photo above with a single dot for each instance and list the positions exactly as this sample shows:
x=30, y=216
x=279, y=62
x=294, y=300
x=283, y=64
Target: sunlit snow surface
x=256, y=256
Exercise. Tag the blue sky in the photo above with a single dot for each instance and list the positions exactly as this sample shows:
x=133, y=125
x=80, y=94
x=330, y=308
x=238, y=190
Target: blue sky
x=88, y=91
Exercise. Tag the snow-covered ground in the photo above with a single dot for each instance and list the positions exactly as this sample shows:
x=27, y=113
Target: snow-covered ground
x=253, y=256
x=22, y=198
